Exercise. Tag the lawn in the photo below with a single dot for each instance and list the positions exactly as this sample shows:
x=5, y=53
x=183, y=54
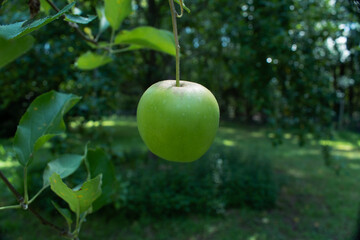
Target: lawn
x=313, y=203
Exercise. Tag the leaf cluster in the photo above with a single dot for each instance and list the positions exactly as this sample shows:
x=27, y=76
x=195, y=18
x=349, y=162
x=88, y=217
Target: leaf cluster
x=42, y=121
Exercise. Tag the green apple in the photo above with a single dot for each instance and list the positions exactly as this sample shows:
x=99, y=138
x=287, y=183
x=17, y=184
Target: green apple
x=178, y=123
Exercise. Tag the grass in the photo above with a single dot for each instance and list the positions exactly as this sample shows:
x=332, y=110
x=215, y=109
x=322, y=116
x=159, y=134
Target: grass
x=313, y=202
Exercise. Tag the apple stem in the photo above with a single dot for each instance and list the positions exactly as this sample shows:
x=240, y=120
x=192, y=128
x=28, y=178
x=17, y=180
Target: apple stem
x=177, y=45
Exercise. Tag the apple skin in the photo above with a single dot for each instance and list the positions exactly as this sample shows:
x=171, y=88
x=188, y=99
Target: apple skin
x=178, y=123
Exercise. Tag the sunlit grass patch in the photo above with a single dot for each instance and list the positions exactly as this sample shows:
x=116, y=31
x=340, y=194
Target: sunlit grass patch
x=7, y=162
x=228, y=143
x=105, y=122
x=339, y=145
x=349, y=155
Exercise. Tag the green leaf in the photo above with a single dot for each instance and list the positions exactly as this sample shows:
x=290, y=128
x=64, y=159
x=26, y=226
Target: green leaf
x=79, y=201
x=64, y=212
x=100, y=163
x=184, y=6
x=65, y=165
x=90, y=60
x=12, y=49
x=103, y=23
x=42, y=120
x=79, y=19
x=116, y=11
x=148, y=37
x=19, y=29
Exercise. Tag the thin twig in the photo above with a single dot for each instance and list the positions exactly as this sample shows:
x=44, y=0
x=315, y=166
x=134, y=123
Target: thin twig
x=20, y=199
x=10, y=207
x=37, y=194
x=26, y=195
x=53, y=5
x=74, y=25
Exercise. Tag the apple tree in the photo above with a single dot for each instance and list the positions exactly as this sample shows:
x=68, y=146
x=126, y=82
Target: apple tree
x=44, y=116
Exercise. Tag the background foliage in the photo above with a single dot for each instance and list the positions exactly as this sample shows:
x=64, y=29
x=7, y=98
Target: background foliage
x=303, y=57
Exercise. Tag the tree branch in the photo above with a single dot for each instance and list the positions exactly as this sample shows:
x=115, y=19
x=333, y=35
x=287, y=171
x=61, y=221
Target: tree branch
x=73, y=25
x=20, y=199
x=45, y=222
x=53, y=5
x=11, y=188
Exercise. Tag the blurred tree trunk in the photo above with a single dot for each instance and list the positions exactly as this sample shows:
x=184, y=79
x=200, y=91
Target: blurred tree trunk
x=248, y=112
x=152, y=14
x=336, y=103
x=152, y=19
x=351, y=89
x=357, y=231
x=351, y=102
x=342, y=100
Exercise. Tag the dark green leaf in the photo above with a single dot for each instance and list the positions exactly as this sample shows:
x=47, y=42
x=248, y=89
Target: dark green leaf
x=79, y=19
x=81, y=200
x=116, y=11
x=64, y=212
x=148, y=37
x=12, y=49
x=19, y=29
x=100, y=163
x=42, y=120
x=65, y=165
x=90, y=60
